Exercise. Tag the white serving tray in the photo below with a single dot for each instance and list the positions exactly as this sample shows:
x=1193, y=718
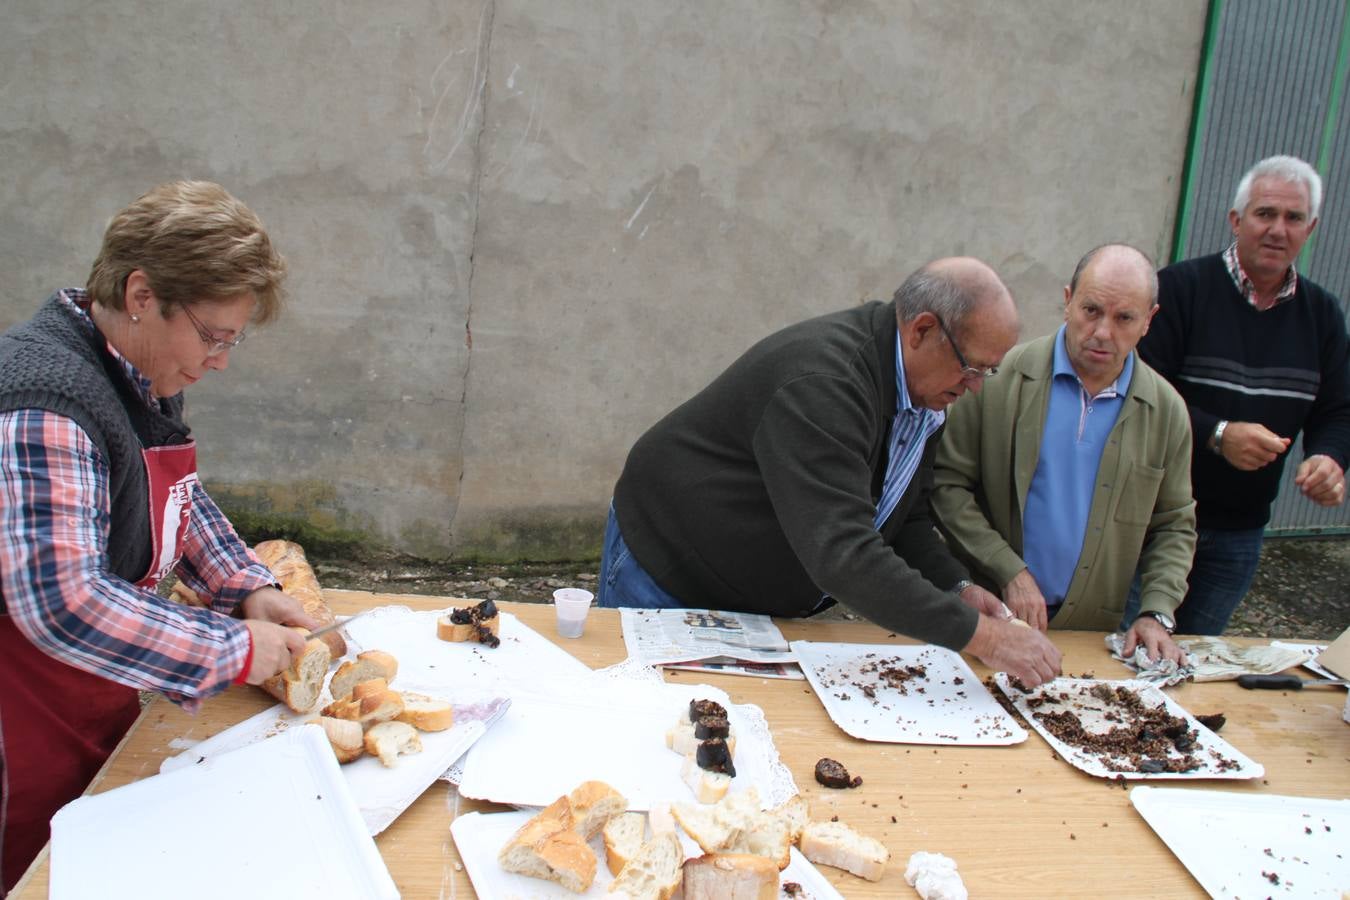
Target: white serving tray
x=564, y=732
x=524, y=655
x=1233, y=842
x=1086, y=707
x=295, y=829
x=947, y=705
x=1311, y=663
x=480, y=836
x=381, y=794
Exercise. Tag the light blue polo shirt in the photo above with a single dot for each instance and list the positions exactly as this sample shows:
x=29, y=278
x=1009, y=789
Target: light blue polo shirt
x=1077, y=426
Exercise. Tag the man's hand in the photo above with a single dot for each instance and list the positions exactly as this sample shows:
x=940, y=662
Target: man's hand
x=271, y=605
x=274, y=648
x=1023, y=596
x=1321, y=480
x=1157, y=642
x=1012, y=647
x=980, y=600
x=1250, y=445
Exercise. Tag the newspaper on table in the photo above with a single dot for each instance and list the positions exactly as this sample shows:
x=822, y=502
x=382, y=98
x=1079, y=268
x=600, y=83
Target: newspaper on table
x=707, y=640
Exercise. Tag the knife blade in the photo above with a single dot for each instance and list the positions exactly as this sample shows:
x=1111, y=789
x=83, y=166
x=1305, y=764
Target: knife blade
x=320, y=632
x=1286, y=682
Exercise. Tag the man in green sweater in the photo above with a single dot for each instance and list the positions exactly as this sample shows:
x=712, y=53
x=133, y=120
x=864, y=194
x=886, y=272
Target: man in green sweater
x=800, y=476
x=1072, y=467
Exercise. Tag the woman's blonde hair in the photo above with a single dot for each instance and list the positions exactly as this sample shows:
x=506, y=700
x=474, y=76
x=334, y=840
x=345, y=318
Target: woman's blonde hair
x=195, y=243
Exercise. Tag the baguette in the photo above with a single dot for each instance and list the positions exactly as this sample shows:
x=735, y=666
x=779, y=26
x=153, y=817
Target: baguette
x=547, y=847
x=730, y=876
x=624, y=836
x=300, y=685
x=593, y=804
x=708, y=787
x=287, y=562
x=654, y=873
x=836, y=844
x=369, y=688
x=368, y=665
x=345, y=737
x=390, y=740
x=426, y=713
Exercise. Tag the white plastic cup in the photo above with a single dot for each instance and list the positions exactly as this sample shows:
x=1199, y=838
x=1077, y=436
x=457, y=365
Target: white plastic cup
x=572, y=605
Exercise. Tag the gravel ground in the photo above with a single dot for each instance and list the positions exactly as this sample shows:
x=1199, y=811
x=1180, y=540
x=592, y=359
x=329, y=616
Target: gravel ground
x=1302, y=588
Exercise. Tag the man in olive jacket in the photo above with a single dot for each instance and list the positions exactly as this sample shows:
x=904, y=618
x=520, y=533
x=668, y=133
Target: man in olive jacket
x=1072, y=468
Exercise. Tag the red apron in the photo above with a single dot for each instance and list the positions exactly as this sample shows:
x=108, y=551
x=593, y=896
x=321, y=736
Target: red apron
x=58, y=724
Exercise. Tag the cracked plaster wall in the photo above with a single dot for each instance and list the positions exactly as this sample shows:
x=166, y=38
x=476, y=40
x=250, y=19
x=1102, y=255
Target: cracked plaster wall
x=521, y=231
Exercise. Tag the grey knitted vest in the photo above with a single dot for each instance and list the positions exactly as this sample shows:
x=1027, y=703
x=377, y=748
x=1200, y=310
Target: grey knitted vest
x=58, y=363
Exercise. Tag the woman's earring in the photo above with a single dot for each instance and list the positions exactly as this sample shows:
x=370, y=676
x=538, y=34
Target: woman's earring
x=135, y=318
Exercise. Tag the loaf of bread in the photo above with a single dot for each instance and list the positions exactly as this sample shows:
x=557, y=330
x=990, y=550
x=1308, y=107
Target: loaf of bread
x=300, y=684
x=345, y=736
x=548, y=847
x=426, y=713
x=390, y=740
x=836, y=844
x=730, y=876
x=624, y=835
x=654, y=873
x=367, y=666
x=287, y=562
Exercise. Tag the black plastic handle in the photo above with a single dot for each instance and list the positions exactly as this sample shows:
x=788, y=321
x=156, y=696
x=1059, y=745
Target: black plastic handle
x=1271, y=682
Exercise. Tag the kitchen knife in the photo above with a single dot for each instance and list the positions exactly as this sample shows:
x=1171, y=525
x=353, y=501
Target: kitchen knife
x=1286, y=682
x=320, y=632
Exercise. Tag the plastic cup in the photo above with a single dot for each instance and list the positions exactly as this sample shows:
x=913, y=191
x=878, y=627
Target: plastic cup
x=572, y=605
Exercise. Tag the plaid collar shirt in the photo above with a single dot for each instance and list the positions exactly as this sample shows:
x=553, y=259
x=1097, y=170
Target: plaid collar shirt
x=1248, y=290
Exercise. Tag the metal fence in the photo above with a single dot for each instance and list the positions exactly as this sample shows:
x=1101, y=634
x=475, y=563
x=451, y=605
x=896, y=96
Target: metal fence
x=1272, y=80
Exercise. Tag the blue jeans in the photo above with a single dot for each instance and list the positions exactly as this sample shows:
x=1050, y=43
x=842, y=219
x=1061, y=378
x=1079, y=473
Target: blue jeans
x=1223, y=570
x=623, y=581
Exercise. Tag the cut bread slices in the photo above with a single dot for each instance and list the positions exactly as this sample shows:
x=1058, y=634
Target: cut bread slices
x=447, y=630
x=593, y=804
x=836, y=844
x=368, y=665
x=345, y=736
x=390, y=740
x=764, y=834
x=730, y=876
x=708, y=787
x=661, y=820
x=547, y=847
x=426, y=713
x=682, y=739
x=624, y=836
x=300, y=685
x=384, y=706
x=363, y=689
x=714, y=827
x=796, y=814
x=654, y=873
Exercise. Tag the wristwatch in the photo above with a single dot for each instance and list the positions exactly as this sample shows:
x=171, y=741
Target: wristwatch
x=1167, y=622
x=1216, y=439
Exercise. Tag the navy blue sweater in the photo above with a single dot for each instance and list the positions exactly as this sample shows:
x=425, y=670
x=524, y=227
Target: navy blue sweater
x=1285, y=368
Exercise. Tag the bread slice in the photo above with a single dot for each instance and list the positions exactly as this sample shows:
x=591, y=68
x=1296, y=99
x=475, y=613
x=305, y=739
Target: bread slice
x=345, y=737
x=682, y=739
x=836, y=844
x=363, y=689
x=367, y=665
x=763, y=834
x=708, y=787
x=593, y=804
x=426, y=713
x=390, y=740
x=449, y=631
x=375, y=709
x=300, y=685
x=730, y=876
x=714, y=827
x=624, y=836
x=654, y=873
x=547, y=847
x=660, y=819
x=796, y=814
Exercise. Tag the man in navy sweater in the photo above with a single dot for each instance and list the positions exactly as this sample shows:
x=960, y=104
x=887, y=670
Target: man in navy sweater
x=1259, y=353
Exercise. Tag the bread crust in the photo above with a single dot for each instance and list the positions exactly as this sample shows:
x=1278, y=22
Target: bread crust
x=730, y=876
x=449, y=631
x=836, y=844
x=427, y=713
x=287, y=562
x=368, y=665
x=345, y=737
x=300, y=684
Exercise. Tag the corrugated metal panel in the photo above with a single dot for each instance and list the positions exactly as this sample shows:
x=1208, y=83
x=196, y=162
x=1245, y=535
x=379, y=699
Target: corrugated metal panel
x=1273, y=89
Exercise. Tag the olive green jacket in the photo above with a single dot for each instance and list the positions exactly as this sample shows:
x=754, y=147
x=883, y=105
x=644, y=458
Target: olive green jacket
x=1142, y=510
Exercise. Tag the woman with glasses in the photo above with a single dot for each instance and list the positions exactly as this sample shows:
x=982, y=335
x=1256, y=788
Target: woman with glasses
x=100, y=501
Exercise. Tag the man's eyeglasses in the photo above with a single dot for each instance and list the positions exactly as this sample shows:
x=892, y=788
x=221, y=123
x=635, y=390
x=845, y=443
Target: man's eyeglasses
x=968, y=372
x=214, y=345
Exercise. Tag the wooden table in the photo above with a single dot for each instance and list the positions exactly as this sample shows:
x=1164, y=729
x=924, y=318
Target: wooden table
x=1018, y=821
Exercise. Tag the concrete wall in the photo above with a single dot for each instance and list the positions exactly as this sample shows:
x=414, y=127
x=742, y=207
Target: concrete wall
x=520, y=231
